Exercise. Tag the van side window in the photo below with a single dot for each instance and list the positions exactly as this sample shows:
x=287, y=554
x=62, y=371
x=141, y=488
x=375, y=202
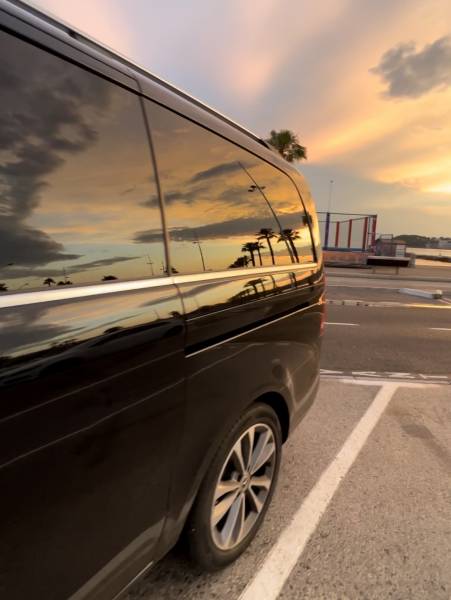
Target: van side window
x=284, y=198
x=76, y=179
x=217, y=219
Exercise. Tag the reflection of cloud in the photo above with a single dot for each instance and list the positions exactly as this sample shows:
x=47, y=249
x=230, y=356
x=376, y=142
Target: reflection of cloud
x=22, y=245
x=104, y=262
x=224, y=229
x=170, y=197
x=231, y=195
x=411, y=74
x=26, y=327
x=43, y=122
x=128, y=191
x=216, y=171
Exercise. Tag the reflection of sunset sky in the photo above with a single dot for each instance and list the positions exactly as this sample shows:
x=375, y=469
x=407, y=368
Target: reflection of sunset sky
x=74, y=177
x=211, y=197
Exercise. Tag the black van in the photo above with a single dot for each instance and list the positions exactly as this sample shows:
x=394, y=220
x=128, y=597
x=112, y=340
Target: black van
x=161, y=308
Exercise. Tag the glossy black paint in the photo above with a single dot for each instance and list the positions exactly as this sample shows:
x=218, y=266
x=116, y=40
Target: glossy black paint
x=112, y=406
x=91, y=416
x=264, y=345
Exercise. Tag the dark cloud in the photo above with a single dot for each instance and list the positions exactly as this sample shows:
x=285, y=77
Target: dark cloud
x=247, y=226
x=235, y=195
x=25, y=327
x=128, y=191
x=410, y=74
x=28, y=247
x=104, y=262
x=151, y=202
x=43, y=121
x=186, y=196
x=232, y=195
x=17, y=273
x=217, y=171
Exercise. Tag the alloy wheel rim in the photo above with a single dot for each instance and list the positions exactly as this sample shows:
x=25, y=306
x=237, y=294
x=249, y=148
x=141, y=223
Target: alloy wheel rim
x=243, y=486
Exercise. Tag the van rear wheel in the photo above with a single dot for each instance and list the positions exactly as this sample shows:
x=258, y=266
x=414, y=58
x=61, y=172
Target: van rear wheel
x=237, y=489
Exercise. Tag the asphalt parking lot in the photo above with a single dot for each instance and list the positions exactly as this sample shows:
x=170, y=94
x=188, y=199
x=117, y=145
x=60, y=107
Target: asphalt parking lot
x=362, y=510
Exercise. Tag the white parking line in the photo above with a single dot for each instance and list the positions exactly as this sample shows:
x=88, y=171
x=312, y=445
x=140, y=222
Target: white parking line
x=345, y=324
x=282, y=558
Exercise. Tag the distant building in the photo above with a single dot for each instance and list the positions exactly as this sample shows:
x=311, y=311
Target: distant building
x=444, y=243
x=387, y=246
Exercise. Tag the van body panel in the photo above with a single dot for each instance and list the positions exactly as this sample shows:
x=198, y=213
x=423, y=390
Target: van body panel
x=89, y=431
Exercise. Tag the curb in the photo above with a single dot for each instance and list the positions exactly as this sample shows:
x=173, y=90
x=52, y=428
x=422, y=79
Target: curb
x=389, y=277
x=373, y=304
x=433, y=294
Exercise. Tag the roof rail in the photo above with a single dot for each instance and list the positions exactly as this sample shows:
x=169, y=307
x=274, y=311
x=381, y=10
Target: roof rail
x=74, y=33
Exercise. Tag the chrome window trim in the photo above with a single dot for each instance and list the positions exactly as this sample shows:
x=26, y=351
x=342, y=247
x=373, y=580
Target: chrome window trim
x=13, y=299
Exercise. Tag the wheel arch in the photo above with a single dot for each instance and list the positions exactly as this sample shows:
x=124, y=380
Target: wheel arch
x=277, y=402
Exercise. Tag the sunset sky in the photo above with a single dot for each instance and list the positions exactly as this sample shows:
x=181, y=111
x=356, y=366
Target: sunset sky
x=365, y=84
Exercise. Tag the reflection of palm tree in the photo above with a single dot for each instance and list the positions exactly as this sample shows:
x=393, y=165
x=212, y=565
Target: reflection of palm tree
x=261, y=281
x=267, y=234
x=249, y=247
x=257, y=248
x=3, y=287
x=239, y=263
x=254, y=282
x=289, y=235
x=49, y=281
x=274, y=284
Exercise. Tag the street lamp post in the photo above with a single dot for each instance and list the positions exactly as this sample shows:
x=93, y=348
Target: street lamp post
x=199, y=245
x=150, y=263
x=331, y=185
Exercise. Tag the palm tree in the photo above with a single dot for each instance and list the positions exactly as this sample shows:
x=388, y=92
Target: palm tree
x=261, y=281
x=3, y=287
x=289, y=235
x=249, y=247
x=49, y=281
x=239, y=263
x=257, y=247
x=267, y=234
x=287, y=145
x=274, y=285
x=253, y=284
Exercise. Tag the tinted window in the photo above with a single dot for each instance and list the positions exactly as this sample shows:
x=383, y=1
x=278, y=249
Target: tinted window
x=284, y=198
x=76, y=185
x=216, y=216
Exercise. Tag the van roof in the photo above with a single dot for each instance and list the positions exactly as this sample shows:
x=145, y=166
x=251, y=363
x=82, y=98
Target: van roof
x=74, y=33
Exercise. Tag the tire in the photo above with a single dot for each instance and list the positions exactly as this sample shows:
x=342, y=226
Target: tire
x=232, y=500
